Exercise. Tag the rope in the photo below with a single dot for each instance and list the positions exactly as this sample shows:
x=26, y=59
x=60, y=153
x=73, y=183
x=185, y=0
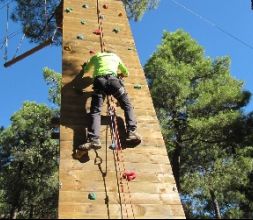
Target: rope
x=6, y=32
x=116, y=141
x=6, y=4
x=119, y=173
x=10, y=36
x=46, y=15
x=19, y=45
x=213, y=24
x=100, y=28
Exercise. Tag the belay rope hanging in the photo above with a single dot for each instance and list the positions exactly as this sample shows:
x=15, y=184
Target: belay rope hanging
x=121, y=172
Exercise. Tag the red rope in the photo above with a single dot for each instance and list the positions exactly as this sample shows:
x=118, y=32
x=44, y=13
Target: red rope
x=117, y=160
x=119, y=151
x=100, y=28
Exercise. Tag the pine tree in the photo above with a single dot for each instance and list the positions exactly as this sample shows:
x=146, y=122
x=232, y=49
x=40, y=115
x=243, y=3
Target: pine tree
x=29, y=173
x=199, y=106
x=40, y=19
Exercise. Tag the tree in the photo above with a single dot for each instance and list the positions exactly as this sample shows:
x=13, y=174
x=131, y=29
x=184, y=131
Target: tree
x=199, y=106
x=53, y=80
x=29, y=181
x=40, y=19
x=137, y=8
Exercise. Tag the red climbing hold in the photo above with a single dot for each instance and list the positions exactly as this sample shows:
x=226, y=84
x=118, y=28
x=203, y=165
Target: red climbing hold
x=105, y=6
x=92, y=52
x=129, y=175
x=97, y=32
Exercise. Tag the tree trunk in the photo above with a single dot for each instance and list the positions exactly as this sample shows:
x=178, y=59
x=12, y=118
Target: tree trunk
x=176, y=164
x=15, y=202
x=31, y=212
x=13, y=212
x=215, y=204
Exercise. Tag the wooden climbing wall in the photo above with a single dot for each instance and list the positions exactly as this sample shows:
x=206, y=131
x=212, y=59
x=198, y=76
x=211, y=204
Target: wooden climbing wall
x=153, y=193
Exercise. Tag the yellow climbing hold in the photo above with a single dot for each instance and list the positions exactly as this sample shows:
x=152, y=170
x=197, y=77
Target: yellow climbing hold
x=67, y=48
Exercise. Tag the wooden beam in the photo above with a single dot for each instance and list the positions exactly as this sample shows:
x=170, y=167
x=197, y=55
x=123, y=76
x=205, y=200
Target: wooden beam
x=28, y=53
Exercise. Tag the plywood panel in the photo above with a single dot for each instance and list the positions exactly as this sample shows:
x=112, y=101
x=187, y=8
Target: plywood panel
x=153, y=194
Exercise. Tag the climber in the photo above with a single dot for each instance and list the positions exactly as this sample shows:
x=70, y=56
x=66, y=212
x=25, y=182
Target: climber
x=107, y=81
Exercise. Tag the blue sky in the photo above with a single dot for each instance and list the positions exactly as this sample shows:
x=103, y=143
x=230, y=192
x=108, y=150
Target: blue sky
x=222, y=27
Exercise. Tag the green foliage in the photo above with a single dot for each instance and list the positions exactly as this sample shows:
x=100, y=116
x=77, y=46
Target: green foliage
x=136, y=8
x=29, y=183
x=39, y=21
x=53, y=80
x=38, y=24
x=209, y=139
x=29, y=159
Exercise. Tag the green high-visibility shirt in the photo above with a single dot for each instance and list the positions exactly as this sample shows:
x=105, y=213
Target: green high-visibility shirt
x=104, y=63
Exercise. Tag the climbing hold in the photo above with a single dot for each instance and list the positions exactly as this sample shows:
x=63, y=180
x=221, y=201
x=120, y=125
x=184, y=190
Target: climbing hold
x=92, y=52
x=120, y=14
x=116, y=30
x=137, y=86
x=101, y=17
x=129, y=175
x=67, y=48
x=105, y=6
x=113, y=146
x=80, y=37
x=92, y=196
x=97, y=32
x=85, y=6
x=68, y=10
x=83, y=22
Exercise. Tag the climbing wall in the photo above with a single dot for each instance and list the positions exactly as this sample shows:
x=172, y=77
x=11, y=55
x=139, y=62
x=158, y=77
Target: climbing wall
x=91, y=185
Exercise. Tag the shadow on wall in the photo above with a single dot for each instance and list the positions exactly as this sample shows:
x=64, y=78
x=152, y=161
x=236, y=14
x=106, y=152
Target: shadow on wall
x=75, y=102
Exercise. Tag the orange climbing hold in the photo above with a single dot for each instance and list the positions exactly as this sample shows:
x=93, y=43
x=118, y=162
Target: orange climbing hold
x=67, y=48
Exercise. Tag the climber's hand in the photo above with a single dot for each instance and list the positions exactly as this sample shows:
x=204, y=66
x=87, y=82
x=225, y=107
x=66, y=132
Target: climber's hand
x=120, y=75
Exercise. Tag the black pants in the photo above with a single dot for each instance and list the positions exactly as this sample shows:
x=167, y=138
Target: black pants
x=109, y=85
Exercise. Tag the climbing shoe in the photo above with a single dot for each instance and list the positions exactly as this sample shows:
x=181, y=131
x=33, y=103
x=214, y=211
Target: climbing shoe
x=91, y=144
x=133, y=136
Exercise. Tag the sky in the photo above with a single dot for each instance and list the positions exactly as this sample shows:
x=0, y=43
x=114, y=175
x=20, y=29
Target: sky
x=221, y=27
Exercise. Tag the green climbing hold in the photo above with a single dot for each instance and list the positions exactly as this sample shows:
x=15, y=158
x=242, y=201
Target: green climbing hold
x=80, y=37
x=116, y=30
x=92, y=196
x=83, y=22
x=68, y=10
x=137, y=86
